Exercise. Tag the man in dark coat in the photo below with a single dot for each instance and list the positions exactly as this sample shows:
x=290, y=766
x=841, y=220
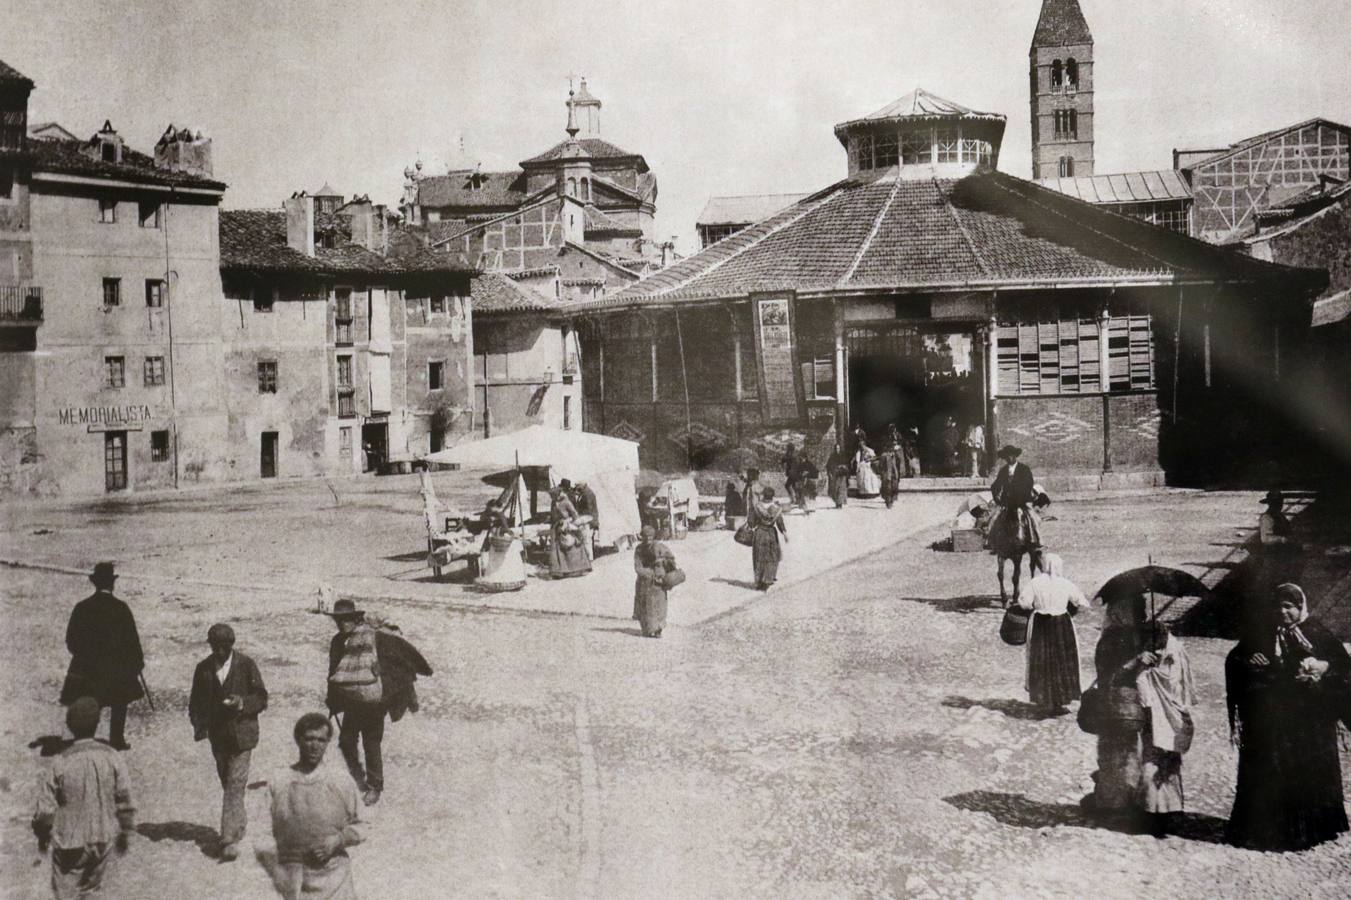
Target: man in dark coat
x=1014, y=490
x=105, y=651
x=227, y=695
x=398, y=663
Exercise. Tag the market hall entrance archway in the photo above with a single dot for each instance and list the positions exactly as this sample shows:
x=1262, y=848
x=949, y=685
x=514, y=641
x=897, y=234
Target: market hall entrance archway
x=921, y=377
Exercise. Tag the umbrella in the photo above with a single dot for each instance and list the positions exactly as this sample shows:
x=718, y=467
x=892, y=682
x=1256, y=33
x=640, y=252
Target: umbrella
x=1152, y=579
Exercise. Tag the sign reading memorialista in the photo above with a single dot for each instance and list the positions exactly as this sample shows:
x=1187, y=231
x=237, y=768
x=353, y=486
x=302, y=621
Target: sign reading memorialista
x=105, y=418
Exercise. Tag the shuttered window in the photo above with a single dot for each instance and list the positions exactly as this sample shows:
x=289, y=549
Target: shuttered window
x=1063, y=357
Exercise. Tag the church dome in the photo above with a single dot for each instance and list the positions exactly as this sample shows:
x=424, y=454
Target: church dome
x=924, y=135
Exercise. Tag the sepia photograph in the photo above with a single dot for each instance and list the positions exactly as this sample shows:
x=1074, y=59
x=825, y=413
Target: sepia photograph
x=675, y=449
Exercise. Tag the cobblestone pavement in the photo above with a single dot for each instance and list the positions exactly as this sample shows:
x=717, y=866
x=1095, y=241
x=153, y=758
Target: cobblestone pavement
x=861, y=733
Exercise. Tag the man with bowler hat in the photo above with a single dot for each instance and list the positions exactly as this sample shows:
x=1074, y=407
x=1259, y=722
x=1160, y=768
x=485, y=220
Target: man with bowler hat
x=227, y=695
x=370, y=675
x=105, y=651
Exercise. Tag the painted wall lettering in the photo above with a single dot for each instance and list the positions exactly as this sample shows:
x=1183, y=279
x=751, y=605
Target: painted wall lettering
x=102, y=415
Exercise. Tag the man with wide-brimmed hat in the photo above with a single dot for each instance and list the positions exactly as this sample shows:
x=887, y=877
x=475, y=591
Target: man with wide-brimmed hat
x=227, y=695
x=105, y=649
x=1015, y=528
x=371, y=674
x=84, y=809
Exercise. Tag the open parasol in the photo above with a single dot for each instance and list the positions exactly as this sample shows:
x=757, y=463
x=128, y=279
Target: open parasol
x=1152, y=579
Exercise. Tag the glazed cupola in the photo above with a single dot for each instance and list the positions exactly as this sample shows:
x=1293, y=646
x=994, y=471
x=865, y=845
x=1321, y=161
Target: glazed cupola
x=924, y=135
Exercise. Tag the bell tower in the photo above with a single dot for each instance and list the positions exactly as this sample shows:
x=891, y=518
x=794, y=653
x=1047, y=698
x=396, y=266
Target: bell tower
x=1061, y=67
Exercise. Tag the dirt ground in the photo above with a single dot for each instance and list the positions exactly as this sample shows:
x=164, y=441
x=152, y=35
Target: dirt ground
x=861, y=733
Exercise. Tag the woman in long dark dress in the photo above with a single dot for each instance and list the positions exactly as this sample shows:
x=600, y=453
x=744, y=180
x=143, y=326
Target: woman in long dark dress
x=1286, y=684
x=567, y=556
x=652, y=560
x=837, y=471
x=766, y=524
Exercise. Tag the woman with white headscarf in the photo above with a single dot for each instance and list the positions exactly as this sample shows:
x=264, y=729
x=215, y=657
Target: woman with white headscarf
x=1052, y=647
x=1287, y=684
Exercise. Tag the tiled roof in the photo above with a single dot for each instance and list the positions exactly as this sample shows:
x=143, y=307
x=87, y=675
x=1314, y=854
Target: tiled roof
x=985, y=230
x=598, y=222
x=1061, y=22
x=1127, y=187
x=744, y=209
x=920, y=104
x=68, y=157
x=46, y=131
x=1295, y=212
x=10, y=75
x=497, y=189
x=593, y=148
x=327, y=191
x=492, y=292
x=255, y=240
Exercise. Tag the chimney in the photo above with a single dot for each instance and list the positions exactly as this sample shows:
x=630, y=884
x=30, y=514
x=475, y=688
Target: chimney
x=300, y=223
x=106, y=145
x=361, y=216
x=179, y=150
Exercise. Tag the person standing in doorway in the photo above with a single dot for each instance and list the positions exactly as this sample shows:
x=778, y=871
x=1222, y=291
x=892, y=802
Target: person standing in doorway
x=314, y=819
x=227, y=695
x=371, y=674
x=973, y=445
x=105, y=654
x=84, y=808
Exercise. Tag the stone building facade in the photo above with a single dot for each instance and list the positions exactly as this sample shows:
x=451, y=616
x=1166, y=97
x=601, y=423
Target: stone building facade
x=1061, y=78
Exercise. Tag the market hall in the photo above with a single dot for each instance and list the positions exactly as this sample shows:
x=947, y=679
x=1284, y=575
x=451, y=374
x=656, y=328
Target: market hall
x=931, y=291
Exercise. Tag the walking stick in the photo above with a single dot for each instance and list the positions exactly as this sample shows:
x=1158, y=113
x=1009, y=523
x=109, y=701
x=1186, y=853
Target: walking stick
x=1153, y=614
x=145, y=687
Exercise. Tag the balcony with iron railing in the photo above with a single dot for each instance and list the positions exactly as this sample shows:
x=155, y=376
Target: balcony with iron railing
x=20, y=304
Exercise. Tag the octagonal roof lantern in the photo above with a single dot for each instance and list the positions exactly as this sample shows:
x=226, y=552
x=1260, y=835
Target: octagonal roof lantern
x=921, y=135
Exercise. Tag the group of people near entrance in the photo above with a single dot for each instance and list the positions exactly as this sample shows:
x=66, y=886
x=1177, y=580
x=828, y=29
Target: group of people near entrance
x=85, y=811
x=1287, y=685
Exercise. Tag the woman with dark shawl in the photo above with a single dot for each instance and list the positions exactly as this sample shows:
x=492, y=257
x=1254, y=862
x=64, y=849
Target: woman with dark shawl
x=652, y=560
x=1286, y=685
x=837, y=471
x=567, y=556
x=766, y=520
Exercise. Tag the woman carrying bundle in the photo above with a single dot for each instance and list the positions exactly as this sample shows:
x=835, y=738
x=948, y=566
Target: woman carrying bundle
x=766, y=521
x=567, y=557
x=652, y=562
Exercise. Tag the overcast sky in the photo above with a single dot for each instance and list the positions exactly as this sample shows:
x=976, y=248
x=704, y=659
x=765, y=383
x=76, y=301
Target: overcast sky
x=721, y=97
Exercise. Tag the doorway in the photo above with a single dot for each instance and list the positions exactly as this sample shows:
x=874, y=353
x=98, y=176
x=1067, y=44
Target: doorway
x=115, y=460
x=925, y=380
x=375, y=445
x=267, y=463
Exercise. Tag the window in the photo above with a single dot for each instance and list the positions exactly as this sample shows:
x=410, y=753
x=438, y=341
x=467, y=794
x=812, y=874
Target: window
x=572, y=187
x=154, y=371
x=1071, y=76
x=916, y=148
x=346, y=392
x=438, y=303
x=342, y=317
x=1057, y=76
x=159, y=446
x=114, y=371
x=267, y=376
x=263, y=300
x=345, y=443
x=109, y=150
x=1066, y=167
x=885, y=153
x=1063, y=357
x=435, y=371
x=154, y=293
x=1067, y=123
x=347, y=404
x=112, y=292
x=149, y=214
x=946, y=146
x=567, y=413
x=107, y=211
x=865, y=151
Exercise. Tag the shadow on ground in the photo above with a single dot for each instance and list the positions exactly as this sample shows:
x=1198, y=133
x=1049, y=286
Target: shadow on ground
x=1023, y=812
x=735, y=582
x=207, y=839
x=968, y=604
x=1014, y=709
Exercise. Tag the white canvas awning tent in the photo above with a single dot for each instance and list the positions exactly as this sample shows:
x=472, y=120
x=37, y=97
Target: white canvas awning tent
x=608, y=465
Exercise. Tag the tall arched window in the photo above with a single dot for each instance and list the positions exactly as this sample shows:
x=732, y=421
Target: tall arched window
x=586, y=189
x=572, y=187
x=1057, y=75
x=1072, y=75
x=1074, y=123
x=1066, y=167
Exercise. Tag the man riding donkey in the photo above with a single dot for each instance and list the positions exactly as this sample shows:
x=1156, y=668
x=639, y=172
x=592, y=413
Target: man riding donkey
x=1016, y=528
